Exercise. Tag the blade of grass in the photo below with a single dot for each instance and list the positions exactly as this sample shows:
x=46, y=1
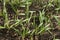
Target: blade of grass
x=43, y=29
x=5, y=15
x=1, y=27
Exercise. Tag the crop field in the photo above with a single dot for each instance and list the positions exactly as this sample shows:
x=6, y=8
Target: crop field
x=29, y=19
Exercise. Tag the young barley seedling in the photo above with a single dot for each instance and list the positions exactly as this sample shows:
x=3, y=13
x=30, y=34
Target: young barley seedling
x=41, y=16
x=5, y=15
x=58, y=21
x=43, y=29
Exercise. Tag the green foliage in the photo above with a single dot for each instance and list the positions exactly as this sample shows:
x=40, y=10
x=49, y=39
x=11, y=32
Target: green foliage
x=44, y=22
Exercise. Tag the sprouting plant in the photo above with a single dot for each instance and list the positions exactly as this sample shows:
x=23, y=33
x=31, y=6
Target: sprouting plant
x=44, y=22
x=41, y=16
x=23, y=3
x=39, y=28
x=36, y=29
x=27, y=4
x=56, y=17
x=14, y=1
x=25, y=31
x=5, y=15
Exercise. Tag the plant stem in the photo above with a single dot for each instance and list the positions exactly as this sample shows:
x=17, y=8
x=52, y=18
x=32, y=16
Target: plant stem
x=27, y=10
x=23, y=38
x=5, y=12
x=31, y=37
